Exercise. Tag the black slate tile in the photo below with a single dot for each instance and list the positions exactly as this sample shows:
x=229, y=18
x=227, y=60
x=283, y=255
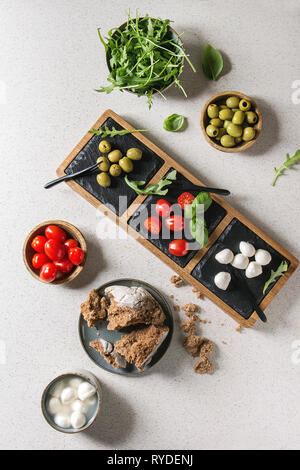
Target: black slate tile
x=144, y=169
x=208, y=267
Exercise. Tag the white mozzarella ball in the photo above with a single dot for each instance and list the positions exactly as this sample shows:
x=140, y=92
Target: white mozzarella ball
x=225, y=256
x=57, y=389
x=75, y=382
x=54, y=405
x=222, y=280
x=67, y=395
x=247, y=249
x=86, y=390
x=263, y=257
x=240, y=261
x=80, y=406
x=77, y=419
x=254, y=269
x=62, y=420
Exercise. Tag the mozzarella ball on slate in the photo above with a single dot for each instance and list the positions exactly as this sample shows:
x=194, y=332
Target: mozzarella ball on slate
x=77, y=419
x=54, y=405
x=222, y=280
x=253, y=270
x=62, y=420
x=225, y=256
x=67, y=395
x=75, y=382
x=80, y=406
x=86, y=390
x=247, y=249
x=240, y=261
x=263, y=257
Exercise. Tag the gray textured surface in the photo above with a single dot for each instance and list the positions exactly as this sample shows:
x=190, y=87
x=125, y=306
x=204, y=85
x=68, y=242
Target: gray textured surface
x=51, y=60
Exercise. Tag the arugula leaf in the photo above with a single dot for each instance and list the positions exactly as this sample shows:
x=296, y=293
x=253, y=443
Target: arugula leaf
x=144, y=57
x=106, y=132
x=152, y=188
x=174, y=123
x=290, y=161
x=212, y=62
x=282, y=268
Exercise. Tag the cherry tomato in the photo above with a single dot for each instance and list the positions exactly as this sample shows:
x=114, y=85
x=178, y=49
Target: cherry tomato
x=38, y=243
x=163, y=208
x=71, y=243
x=48, y=272
x=39, y=259
x=56, y=233
x=175, y=223
x=76, y=255
x=153, y=225
x=54, y=250
x=179, y=247
x=185, y=199
x=64, y=266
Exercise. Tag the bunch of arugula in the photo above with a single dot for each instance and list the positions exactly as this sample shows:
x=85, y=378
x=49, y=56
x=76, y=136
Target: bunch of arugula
x=144, y=57
x=195, y=212
x=152, y=188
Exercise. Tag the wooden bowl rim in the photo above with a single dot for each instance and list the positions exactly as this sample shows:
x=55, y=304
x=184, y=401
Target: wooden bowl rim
x=257, y=126
x=72, y=230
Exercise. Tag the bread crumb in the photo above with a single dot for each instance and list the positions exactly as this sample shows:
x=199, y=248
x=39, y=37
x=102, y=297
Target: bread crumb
x=188, y=327
x=190, y=307
x=223, y=342
x=198, y=294
x=203, y=321
x=238, y=328
x=192, y=344
x=203, y=366
x=176, y=308
x=171, y=296
x=192, y=316
x=177, y=280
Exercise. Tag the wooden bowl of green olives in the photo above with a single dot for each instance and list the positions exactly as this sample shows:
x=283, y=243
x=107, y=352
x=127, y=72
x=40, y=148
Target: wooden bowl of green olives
x=231, y=121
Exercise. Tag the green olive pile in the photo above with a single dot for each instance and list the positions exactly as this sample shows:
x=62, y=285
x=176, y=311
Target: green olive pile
x=114, y=163
x=231, y=123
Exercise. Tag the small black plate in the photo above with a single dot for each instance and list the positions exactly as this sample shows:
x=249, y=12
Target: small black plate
x=144, y=169
x=208, y=267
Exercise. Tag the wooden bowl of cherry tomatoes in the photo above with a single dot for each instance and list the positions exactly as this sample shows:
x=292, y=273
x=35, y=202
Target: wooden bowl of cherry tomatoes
x=54, y=252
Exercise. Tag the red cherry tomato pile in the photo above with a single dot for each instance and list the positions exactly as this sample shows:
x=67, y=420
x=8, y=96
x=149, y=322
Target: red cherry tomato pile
x=175, y=223
x=55, y=254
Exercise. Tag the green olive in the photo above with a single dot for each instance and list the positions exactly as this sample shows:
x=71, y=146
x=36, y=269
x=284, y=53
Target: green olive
x=222, y=131
x=225, y=114
x=212, y=111
x=103, y=163
x=226, y=123
x=126, y=164
x=227, y=141
x=244, y=105
x=238, y=140
x=212, y=131
x=223, y=106
x=238, y=117
x=216, y=122
x=251, y=117
x=104, y=180
x=115, y=170
x=134, y=154
x=248, y=134
x=115, y=156
x=234, y=130
x=235, y=109
x=104, y=146
x=232, y=102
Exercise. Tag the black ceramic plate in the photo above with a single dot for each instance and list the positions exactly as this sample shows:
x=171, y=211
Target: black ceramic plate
x=208, y=267
x=213, y=217
x=87, y=334
x=144, y=169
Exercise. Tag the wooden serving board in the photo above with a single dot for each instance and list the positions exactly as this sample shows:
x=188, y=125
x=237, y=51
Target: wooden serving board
x=225, y=224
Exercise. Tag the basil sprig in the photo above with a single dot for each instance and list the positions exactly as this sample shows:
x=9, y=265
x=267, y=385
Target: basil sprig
x=195, y=212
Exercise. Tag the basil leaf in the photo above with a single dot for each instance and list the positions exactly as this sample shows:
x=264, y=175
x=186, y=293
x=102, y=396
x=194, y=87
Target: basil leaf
x=212, y=62
x=174, y=123
x=203, y=198
x=199, y=231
